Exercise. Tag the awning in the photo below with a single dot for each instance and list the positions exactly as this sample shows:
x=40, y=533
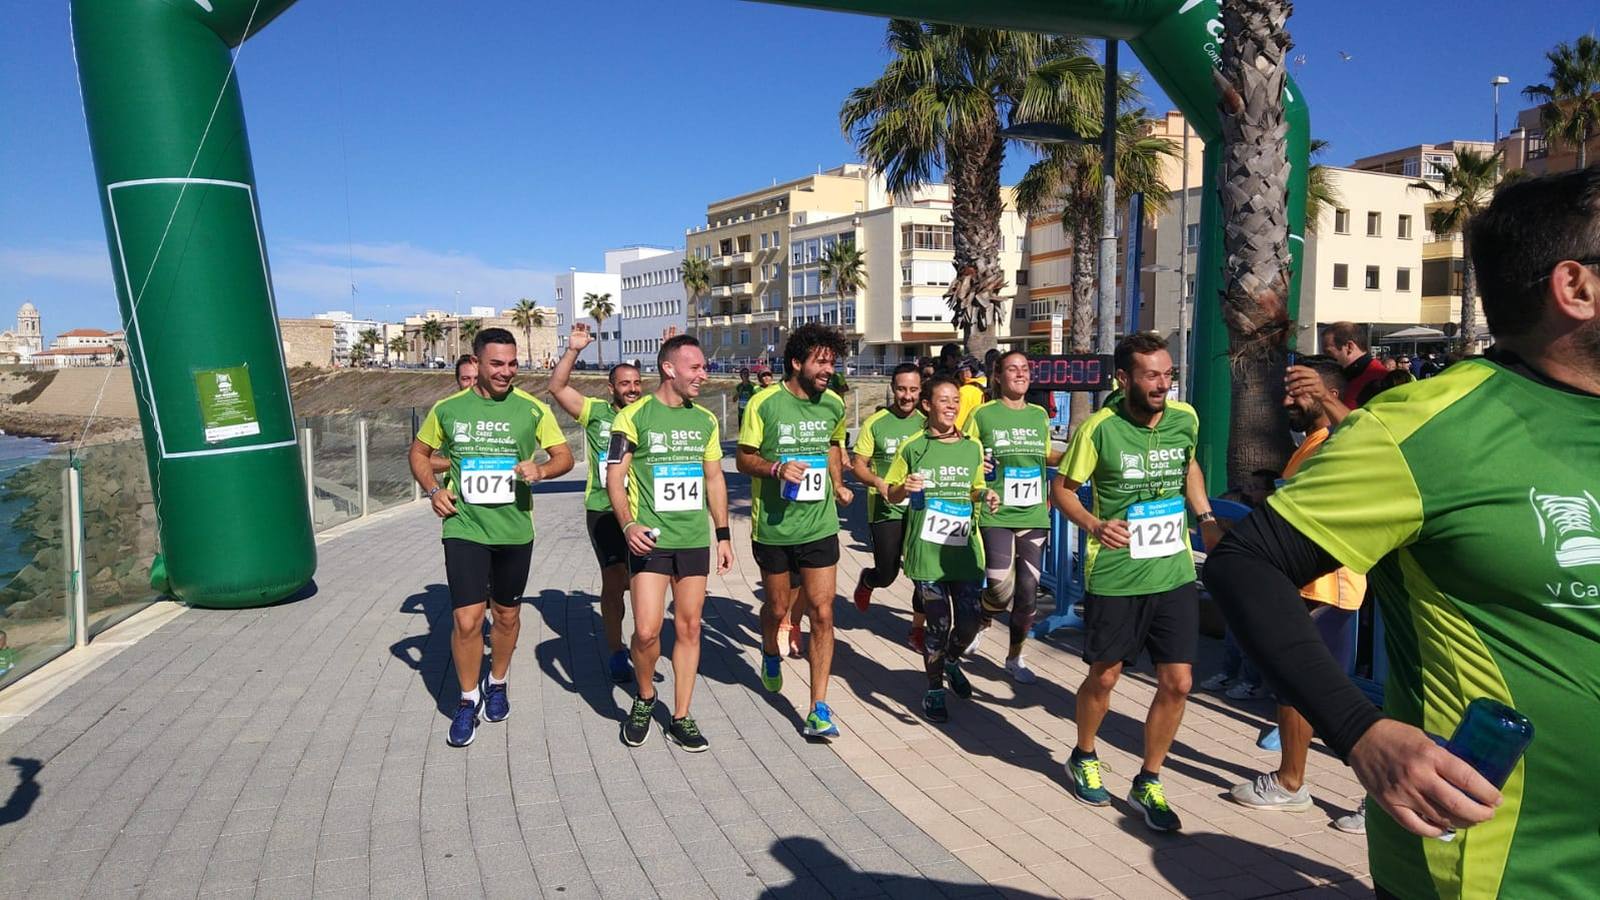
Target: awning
x=1415, y=333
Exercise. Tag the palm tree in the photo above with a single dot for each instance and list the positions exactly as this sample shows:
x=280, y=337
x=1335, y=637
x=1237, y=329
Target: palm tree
x=1255, y=216
x=1466, y=187
x=470, y=329
x=844, y=266
x=695, y=272
x=358, y=355
x=1069, y=177
x=1571, y=100
x=941, y=103
x=432, y=333
x=369, y=339
x=1321, y=195
x=599, y=308
x=527, y=317
x=397, y=346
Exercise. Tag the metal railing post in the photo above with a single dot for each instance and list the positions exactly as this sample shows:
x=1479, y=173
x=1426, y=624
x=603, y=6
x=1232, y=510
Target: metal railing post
x=79, y=596
x=307, y=459
x=361, y=465
x=724, y=413
x=416, y=487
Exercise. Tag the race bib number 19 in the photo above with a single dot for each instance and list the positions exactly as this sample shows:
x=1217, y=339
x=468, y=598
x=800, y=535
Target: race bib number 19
x=1024, y=486
x=1156, y=529
x=487, y=480
x=813, y=485
x=679, y=486
x=947, y=522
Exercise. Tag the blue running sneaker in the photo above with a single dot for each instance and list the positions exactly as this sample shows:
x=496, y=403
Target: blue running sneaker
x=820, y=723
x=772, y=673
x=621, y=667
x=496, y=703
x=464, y=727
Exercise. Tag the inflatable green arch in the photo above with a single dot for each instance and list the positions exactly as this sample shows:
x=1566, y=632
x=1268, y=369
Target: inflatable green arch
x=177, y=190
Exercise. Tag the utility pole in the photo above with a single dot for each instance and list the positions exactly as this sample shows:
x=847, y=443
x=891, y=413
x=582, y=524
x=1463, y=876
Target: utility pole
x=1105, y=333
x=1183, y=271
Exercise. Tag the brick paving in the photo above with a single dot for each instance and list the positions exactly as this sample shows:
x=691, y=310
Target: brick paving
x=298, y=751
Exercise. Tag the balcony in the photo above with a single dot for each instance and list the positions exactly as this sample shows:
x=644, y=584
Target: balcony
x=741, y=289
x=721, y=291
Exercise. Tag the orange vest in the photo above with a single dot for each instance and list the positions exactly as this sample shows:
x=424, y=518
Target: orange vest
x=1341, y=588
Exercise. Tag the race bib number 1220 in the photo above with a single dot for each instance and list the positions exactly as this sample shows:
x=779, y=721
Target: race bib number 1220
x=947, y=522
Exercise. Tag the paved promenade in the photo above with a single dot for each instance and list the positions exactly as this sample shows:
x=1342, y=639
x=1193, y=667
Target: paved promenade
x=299, y=751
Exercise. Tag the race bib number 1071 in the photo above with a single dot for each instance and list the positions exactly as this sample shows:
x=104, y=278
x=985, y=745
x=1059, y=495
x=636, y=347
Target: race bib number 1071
x=487, y=480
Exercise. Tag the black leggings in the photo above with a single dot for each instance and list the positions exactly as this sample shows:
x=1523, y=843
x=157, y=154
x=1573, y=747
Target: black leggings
x=1013, y=559
x=888, y=540
x=954, y=614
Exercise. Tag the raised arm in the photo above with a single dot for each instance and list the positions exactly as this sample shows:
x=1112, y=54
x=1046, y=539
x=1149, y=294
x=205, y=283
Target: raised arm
x=561, y=391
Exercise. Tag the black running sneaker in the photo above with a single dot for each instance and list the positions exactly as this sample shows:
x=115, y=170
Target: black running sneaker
x=686, y=734
x=636, y=728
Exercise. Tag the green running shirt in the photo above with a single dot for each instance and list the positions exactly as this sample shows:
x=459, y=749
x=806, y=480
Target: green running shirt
x=942, y=540
x=782, y=427
x=1473, y=499
x=483, y=439
x=1126, y=464
x=666, y=479
x=1020, y=439
x=595, y=418
x=879, y=439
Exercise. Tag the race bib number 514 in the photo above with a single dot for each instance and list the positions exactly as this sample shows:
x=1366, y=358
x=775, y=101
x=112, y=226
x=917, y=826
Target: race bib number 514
x=1156, y=529
x=679, y=486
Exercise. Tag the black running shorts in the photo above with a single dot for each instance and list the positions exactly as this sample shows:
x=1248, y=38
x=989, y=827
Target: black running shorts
x=820, y=554
x=605, y=536
x=673, y=563
x=1118, y=628
x=481, y=572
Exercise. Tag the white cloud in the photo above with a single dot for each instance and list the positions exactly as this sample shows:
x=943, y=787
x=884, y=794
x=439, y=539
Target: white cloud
x=78, y=263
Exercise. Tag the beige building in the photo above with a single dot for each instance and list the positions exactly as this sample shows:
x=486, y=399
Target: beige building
x=453, y=344
x=17, y=347
x=308, y=342
x=76, y=357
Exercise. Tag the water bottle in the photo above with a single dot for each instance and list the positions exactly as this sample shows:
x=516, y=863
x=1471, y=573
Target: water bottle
x=918, y=499
x=1491, y=739
x=791, y=490
x=655, y=534
x=989, y=470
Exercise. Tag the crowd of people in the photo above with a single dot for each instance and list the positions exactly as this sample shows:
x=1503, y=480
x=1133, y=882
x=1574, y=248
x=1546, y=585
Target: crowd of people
x=1465, y=502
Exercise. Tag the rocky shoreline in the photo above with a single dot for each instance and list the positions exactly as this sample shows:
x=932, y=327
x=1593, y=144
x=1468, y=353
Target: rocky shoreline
x=19, y=423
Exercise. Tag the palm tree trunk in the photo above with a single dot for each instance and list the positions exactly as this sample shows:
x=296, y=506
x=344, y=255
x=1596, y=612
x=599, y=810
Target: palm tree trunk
x=1255, y=192
x=1084, y=262
x=974, y=294
x=1469, y=300
x=527, y=341
x=599, y=345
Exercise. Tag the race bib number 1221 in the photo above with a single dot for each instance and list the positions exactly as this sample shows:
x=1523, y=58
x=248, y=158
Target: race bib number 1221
x=1156, y=529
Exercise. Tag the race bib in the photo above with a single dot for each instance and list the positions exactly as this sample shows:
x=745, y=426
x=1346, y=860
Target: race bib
x=1156, y=529
x=1024, y=486
x=679, y=486
x=487, y=480
x=813, y=485
x=947, y=522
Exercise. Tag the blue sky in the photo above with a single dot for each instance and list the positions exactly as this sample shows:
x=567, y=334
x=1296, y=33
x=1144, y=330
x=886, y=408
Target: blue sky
x=484, y=146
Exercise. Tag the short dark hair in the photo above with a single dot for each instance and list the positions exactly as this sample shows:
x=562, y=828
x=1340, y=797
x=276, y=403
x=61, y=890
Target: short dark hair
x=905, y=369
x=670, y=346
x=491, y=336
x=808, y=339
x=462, y=360
x=933, y=381
x=1346, y=333
x=1531, y=225
x=1327, y=368
x=611, y=376
x=1138, y=342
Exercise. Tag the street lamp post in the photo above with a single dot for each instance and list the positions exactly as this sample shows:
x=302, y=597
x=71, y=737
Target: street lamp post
x=1495, y=83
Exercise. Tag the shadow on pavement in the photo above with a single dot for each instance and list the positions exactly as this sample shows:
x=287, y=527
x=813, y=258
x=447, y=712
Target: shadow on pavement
x=1186, y=868
x=25, y=794
x=429, y=654
x=819, y=872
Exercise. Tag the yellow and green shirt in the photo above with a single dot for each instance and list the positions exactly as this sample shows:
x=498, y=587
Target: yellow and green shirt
x=942, y=541
x=595, y=419
x=1473, y=499
x=1134, y=471
x=484, y=439
x=879, y=439
x=783, y=427
x=1020, y=442
x=666, y=479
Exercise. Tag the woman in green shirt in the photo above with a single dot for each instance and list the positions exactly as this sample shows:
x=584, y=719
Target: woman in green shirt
x=941, y=472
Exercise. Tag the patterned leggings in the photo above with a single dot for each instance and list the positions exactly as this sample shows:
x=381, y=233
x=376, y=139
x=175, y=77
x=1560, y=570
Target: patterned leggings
x=954, y=614
x=1013, y=559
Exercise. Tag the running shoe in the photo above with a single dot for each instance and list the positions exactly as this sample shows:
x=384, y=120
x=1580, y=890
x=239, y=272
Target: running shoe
x=1266, y=792
x=1244, y=690
x=933, y=706
x=1151, y=799
x=1217, y=682
x=863, y=595
x=772, y=673
x=977, y=640
x=917, y=637
x=686, y=734
x=959, y=685
x=496, y=702
x=636, y=728
x=621, y=667
x=1355, y=823
x=1086, y=784
x=1019, y=671
x=464, y=727
x=820, y=723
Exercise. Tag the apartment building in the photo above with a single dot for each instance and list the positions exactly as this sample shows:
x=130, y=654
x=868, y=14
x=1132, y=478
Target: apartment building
x=1526, y=147
x=653, y=304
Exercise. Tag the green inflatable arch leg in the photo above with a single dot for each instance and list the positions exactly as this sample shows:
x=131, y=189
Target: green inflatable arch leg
x=187, y=250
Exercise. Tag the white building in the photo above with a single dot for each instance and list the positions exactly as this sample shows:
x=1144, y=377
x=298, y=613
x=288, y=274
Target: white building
x=652, y=303
x=347, y=331
x=573, y=286
x=18, y=347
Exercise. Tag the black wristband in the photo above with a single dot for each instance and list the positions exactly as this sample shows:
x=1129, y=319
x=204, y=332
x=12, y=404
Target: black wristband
x=724, y=533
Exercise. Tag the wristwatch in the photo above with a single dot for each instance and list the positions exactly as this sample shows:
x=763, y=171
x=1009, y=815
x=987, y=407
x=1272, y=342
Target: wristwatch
x=436, y=489
x=1206, y=517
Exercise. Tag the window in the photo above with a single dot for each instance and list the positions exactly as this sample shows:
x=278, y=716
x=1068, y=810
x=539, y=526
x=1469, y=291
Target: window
x=931, y=271
x=828, y=243
x=1188, y=288
x=766, y=240
x=849, y=310
x=798, y=251
x=744, y=340
x=1341, y=276
x=725, y=247
x=775, y=241
x=813, y=283
x=1372, y=278
x=1022, y=278
x=905, y=274
x=1404, y=229
x=812, y=248
x=797, y=284
x=1002, y=243
x=927, y=237
x=1402, y=279
x=1374, y=224
x=1191, y=235
x=1341, y=221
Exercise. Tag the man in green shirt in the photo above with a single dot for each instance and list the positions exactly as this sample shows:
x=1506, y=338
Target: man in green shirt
x=670, y=452
x=1138, y=458
x=491, y=435
x=791, y=446
x=743, y=391
x=605, y=535
x=1472, y=501
x=877, y=442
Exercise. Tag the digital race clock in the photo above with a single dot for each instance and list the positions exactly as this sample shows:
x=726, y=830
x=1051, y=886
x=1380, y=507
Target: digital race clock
x=1072, y=372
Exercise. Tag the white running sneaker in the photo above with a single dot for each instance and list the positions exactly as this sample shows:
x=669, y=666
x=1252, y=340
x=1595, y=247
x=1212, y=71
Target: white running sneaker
x=1244, y=690
x=1265, y=792
x=1019, y=671
x=977, y=642
x=1217, y=682
x=1355, y=823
